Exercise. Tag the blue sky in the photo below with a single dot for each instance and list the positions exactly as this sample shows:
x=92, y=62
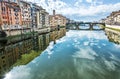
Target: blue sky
x=81, y=10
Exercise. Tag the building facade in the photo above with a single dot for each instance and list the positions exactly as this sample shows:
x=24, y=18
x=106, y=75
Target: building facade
x=4, y=14
x=47, y=24
x=26, y=14
x=34, y=11
x=57, y=19
x=113, y=18
x=43, y=19
x=117, y=18
x=10, y=15
x=14, y=14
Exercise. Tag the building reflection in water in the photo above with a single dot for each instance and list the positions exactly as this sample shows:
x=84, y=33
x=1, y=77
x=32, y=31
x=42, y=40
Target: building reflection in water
x=113, y=36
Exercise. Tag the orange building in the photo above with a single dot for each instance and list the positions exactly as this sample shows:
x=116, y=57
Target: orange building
x=4, y=14
x=14, y=13
x=10, y=15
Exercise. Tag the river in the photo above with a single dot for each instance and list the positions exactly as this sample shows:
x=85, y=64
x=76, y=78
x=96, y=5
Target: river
x=78, y=55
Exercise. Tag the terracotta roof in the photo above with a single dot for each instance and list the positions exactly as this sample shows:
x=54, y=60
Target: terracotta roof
x=13, y=5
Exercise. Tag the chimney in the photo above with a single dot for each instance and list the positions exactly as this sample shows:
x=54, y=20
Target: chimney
x=53, y=12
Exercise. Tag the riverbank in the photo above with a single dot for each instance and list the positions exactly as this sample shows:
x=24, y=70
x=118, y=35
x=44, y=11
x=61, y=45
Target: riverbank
x=113, y=27
x=26, y=58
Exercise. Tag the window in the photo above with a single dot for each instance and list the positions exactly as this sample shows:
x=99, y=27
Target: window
x=4, y=65
x=3, y=61
x=3, y=57
x=3, y=8
x=3, y=17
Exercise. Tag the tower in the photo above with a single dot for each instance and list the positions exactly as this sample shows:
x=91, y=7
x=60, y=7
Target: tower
x=53, y=12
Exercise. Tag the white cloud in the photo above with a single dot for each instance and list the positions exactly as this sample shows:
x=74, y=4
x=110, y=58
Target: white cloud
x=86, y=53
x=78, y=8
x=89, y=1
x=110, y=65
x=91, y=11
x=19, y=72
x=89, y=35
x=94, y=2
x=77, y=3
x=49, y=49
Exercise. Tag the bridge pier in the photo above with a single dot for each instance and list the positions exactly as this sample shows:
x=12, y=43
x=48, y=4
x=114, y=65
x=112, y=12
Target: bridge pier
x=77, y=27
x=91, y=27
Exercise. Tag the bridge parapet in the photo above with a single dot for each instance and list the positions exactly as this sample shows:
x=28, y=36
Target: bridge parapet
x=77, y=24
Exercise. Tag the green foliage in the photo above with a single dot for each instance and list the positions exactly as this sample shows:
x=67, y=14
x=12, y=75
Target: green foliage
x=26, y=58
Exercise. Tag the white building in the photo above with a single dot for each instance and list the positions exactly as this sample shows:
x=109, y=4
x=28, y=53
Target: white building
x=43, y=19
x=117, y=18
x=26, y=14
x=113, y=19
x=47, y=24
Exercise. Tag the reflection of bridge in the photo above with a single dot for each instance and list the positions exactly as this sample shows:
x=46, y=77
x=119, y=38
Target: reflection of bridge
x=76, y=25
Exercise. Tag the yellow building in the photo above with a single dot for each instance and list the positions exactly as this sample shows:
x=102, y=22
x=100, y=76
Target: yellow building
x=57, y=19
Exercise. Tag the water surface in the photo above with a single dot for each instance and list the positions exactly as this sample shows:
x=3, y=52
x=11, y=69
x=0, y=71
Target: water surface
x=78, y=55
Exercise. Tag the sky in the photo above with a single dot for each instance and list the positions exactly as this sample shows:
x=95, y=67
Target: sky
x=81, y=10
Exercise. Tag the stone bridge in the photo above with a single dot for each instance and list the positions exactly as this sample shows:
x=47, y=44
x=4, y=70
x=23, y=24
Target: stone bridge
x=75, y=25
